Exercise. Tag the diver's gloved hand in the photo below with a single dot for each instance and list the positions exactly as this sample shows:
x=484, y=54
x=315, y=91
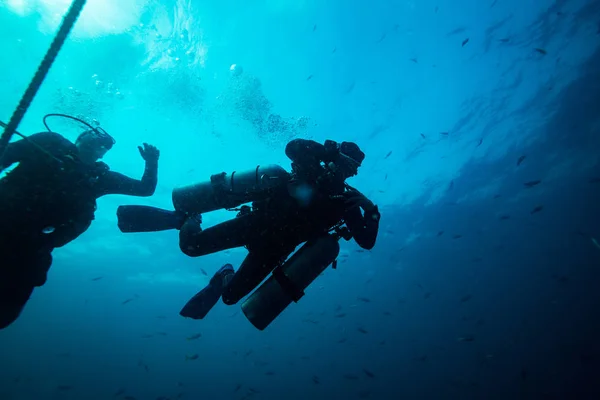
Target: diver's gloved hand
x=149, y=153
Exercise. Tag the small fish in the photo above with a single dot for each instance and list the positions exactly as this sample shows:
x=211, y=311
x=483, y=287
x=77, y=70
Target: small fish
x=253, y=391
x=147, y=336
x=537, y=209
x=382, y=37
x=466, y=338
x=465, y=42
x=269, y=373
x=119, y=392
x=480, y=142
x=440, y=233
x=387, y=313
x=444, y=133
x=414, y=60
x=316, y=380
x=541, y=51
x=203, y=272
x=504, y=40
x=531, y=184
x=436, y=9
x=315, y=27
x=456, y=236
x=504, y=217
x=342, y=340
x=364, y=299
x=427, y=295
x=423, y=136
x=341, y=315
x=369, y=373
x=191, y=358
x=237, y=387
x=194, y=336
x=465, y=298
x=309, y=78
x=451, y=185
x=64, y=388
x=520, y=160
x=456, y=31
x=387, y=155
x=385, y=179
x=334, y=50
x=97, y=278
x=362, y=330
x=127, y=301
x=351, y=377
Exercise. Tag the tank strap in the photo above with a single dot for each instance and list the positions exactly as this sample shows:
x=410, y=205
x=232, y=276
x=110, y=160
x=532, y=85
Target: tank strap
x=287, y=285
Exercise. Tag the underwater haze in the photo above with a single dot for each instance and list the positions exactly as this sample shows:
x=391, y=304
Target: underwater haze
x=480, y=120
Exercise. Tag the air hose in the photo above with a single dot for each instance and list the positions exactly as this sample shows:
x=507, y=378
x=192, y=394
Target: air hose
x=59, y=40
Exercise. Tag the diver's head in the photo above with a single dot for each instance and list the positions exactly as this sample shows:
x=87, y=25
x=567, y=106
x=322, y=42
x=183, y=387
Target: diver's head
x=350, y=159
x=93, y=144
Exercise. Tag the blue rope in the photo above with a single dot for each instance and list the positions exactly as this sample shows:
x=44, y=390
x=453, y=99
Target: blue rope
x=65, y=28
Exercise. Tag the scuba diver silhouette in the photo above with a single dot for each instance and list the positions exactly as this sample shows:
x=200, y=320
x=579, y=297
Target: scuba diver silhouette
x=310, y=205
x=49, y=198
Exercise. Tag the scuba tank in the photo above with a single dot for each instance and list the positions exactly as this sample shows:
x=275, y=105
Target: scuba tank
x=288, y=281
x=222, y=191
x=229, y=190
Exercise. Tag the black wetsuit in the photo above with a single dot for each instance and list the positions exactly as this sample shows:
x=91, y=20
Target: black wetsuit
x=47, y=201
x=278, y=225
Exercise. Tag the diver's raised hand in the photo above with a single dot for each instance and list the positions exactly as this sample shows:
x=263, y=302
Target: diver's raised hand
x=149, y=153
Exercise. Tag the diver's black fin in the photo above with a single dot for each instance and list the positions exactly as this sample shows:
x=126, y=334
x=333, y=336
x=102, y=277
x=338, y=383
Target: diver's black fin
x=199, y=305
x=148, y=219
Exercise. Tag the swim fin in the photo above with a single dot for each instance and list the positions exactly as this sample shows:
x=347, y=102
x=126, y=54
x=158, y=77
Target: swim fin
x=148, y=219
x=200, y=305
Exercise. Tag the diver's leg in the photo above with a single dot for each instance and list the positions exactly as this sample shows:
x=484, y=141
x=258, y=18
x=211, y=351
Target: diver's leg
x=232, y=286
x=237, y=232
x=19, y=275
x=254, y=269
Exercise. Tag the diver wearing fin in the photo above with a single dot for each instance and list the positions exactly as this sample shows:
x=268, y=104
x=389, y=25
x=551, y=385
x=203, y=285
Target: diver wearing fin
x=49, y=199
x=287, y=210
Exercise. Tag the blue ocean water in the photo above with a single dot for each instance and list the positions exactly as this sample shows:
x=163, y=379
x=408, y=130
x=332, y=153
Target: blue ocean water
x=482, y=285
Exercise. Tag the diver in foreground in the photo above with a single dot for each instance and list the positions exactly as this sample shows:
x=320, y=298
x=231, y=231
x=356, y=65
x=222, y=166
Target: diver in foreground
x=49, y=199
x=309, y=205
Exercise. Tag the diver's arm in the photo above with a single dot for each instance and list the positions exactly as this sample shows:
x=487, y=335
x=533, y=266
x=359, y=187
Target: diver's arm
x=364, y=228
x=116, y=183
